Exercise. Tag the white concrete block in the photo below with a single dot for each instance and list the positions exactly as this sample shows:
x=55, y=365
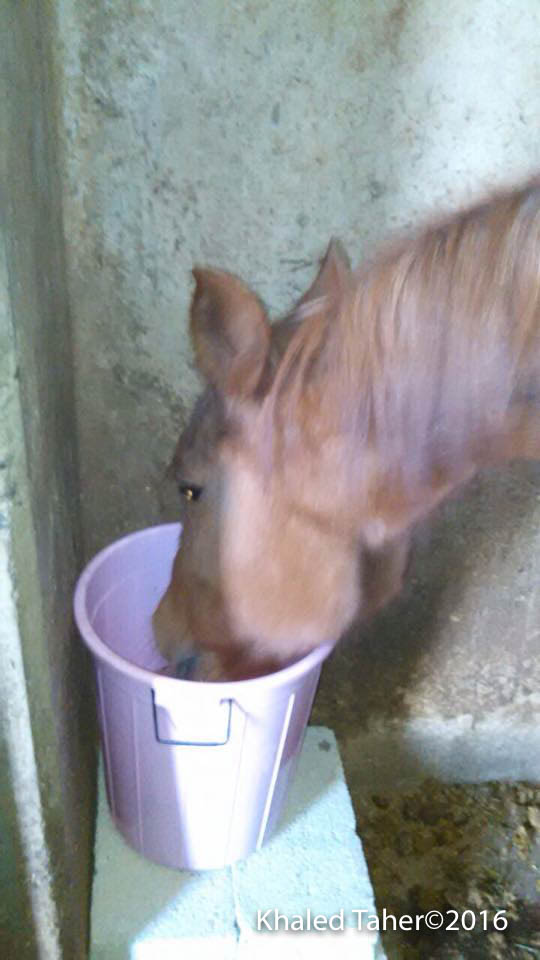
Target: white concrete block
x=313, y=865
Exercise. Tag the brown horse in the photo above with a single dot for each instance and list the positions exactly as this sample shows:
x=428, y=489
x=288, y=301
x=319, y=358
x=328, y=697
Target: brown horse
x=322, y=440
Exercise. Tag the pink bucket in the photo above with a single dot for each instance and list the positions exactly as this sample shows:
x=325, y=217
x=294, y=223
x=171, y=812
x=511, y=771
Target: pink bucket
x=196, y=773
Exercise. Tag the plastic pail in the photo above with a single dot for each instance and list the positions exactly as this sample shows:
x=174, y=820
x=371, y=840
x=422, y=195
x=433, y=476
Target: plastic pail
x=196, y=773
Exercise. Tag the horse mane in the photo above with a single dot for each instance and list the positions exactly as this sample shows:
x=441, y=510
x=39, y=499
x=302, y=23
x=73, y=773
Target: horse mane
x=422, y=352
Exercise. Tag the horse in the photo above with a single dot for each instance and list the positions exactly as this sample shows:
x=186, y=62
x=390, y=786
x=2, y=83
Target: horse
x=322, y=440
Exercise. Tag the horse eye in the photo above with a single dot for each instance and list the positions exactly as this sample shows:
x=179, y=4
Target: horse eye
x=190, y=491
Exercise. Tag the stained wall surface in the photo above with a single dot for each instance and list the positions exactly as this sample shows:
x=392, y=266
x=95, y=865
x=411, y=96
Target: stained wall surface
x=46, y=713
x=243, y=135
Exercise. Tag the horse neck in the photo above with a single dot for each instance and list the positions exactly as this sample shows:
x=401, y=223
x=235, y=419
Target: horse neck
x=429, y=354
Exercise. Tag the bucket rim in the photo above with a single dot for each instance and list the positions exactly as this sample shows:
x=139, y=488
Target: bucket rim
x=102, y=652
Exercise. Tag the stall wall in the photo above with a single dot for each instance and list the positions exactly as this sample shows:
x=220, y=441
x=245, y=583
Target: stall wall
x=46, y=712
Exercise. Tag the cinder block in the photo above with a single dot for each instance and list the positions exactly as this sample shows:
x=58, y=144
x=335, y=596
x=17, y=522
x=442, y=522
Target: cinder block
x=313, y=865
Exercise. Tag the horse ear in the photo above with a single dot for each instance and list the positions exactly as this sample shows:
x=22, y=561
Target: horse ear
x=229, y=331
x=333, y=273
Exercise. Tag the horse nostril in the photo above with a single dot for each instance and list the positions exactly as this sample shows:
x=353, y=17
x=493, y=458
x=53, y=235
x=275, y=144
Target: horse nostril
x=190, y=491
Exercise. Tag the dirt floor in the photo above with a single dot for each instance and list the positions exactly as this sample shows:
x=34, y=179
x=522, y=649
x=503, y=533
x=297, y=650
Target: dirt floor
x=457, y=848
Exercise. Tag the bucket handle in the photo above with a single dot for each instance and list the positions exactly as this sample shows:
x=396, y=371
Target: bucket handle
x=193, y=743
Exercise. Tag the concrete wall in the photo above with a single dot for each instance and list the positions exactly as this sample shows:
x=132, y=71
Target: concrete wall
x=244, y=135
x=46, y=713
